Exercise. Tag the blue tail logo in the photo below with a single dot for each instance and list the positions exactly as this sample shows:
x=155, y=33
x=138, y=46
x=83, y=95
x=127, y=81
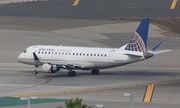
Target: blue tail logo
x=139, y=40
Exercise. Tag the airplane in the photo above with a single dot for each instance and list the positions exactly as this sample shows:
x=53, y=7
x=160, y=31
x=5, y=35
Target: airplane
x=54, y=58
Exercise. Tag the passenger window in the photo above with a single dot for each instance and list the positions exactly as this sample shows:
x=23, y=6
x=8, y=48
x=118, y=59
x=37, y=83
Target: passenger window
x=56, y=53
x=83, y=54
x=80, y=54
x=62, y=53
x=59, y=53
x=45, y=52
x=38, y=52
x=98, y=55
x=87, y=54
x=101, y=55
x=105, y=55
x=49, y=52
x=94, y=54
x=69, y=53
x=76, y=53
x=73, y=53
x=91, y=54
x=52, y=52
x=42, y=52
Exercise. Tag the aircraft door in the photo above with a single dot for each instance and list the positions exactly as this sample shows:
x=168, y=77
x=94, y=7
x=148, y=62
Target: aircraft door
x=111, y=55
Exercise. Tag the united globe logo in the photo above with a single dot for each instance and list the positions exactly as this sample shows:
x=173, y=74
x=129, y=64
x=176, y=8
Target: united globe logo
x=136, y=44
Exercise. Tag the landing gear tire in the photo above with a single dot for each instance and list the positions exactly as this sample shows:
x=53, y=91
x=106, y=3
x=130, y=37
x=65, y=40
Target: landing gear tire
x=95, y=71
x=35, y=72
x=71, y=73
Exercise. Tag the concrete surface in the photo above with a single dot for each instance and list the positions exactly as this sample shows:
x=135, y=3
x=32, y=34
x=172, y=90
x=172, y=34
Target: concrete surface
x=17, y=1
x=92, y=9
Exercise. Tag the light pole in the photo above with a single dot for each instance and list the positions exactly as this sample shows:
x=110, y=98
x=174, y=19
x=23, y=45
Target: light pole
x=28, y=98
x=98, y=106
x=130, y=95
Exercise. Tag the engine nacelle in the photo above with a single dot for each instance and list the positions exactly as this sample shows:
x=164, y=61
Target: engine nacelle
x=50, y=68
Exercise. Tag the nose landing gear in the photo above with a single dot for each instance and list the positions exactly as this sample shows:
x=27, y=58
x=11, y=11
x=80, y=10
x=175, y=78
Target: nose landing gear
x=35, y=70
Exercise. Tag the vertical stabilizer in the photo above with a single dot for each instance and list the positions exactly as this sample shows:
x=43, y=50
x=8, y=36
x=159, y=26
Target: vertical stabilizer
x=139, y=40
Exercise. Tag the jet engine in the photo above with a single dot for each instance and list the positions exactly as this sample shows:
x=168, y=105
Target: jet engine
x=50, y=68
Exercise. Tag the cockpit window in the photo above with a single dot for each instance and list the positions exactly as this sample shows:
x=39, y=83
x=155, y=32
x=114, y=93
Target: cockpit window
x=24, y=51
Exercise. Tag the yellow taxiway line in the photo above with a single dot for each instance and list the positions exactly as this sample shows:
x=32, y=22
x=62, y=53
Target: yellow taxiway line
x=147, y=96
x=173, y=4
x=72, y=91
x=76, y=2
x=149, y=93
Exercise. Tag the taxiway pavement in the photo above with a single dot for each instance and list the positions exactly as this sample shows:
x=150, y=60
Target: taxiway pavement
x=93, y=9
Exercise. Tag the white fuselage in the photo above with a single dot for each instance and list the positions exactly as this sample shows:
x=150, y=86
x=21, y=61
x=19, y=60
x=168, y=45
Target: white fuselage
x=85, y=57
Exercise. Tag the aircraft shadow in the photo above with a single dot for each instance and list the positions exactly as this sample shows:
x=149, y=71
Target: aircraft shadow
x=126, y=73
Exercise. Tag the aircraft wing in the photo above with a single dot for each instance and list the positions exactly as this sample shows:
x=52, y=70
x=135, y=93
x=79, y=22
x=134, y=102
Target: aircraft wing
x=152, y=50
x=159, y=52
x=63, y=65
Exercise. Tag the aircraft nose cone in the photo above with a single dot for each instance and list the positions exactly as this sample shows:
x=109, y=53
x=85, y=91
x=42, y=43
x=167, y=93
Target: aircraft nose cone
x=20, y=57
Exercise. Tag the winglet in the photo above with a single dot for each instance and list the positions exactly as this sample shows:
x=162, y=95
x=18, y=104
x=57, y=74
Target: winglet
x=156, y=46
x=139, y=40
x=157, y=52
x=36, y=59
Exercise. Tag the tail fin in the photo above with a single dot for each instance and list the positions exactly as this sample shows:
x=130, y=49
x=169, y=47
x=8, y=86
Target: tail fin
x=139, y=40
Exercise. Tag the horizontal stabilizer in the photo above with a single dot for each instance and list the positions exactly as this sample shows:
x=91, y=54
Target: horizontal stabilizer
x=162, y=51
x=137, y=54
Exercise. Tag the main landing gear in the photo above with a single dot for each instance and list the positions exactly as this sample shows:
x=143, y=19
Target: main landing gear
x=35, y=70
x=95, y=71
x=71, y=73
